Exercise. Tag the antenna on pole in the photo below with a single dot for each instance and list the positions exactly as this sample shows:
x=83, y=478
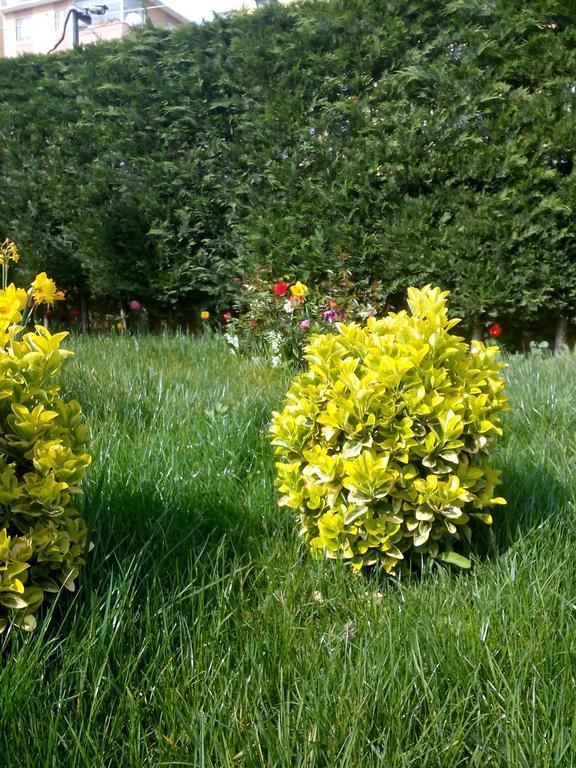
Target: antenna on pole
x=78, y=15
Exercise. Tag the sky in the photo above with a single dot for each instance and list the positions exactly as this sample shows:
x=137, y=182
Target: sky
x=196, y=10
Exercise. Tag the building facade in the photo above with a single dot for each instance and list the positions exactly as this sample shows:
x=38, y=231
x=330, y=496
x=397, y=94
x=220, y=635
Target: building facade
x=35, y=26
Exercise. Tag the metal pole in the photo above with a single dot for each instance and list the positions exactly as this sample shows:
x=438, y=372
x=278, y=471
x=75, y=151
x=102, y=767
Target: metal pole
x=85, y=17
x=75, y=29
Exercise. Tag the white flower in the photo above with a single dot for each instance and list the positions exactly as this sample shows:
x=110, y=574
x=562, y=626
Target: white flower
x=276, y=360
x=288, y=307
x=232, y=340
x=275, y=340
x=367, y=311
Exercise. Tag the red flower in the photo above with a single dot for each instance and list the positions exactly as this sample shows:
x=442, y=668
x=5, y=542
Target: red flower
x=75, y=312
x=227, y=316
x=495, y=330
x=280, y=288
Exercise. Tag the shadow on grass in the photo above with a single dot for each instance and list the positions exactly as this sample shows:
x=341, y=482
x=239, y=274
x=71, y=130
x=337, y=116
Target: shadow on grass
x=181, y=547
x=203, y=534
x=153, y=529
x=143, y=546
x=534, y=496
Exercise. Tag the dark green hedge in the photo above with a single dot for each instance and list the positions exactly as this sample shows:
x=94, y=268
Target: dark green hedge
x=431, y=141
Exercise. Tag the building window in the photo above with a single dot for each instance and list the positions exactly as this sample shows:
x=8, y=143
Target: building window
x=23, y=29
x=59, y=19
x=130, y=11
x=133, y=5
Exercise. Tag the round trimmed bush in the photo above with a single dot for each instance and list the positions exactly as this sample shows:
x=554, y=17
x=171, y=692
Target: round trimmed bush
x=384, y=441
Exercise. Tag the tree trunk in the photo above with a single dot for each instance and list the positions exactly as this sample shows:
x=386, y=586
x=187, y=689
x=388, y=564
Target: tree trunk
x=477, y=329
x=560, y=338
x=84, y=316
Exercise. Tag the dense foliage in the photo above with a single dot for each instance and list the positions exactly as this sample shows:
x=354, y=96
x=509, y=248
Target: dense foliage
x=384, y=441
x=431, y=141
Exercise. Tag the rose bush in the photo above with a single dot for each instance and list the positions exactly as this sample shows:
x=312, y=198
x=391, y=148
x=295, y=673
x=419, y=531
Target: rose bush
x=276, y=317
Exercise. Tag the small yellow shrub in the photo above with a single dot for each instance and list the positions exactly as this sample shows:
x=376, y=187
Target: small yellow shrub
x=384, y=442
x=43, y=457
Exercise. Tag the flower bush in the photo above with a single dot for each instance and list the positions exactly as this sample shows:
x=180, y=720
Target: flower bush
x=277, y=317
x=384, y=441
x=43, y=457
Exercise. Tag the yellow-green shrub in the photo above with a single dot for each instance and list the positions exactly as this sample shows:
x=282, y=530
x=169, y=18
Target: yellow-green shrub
x=43, y=457
x=384, y=442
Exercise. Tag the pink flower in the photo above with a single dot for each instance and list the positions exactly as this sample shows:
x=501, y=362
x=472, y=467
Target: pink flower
x=135, y=306
x=331, y=315
x=227, y=316
x=304, y=324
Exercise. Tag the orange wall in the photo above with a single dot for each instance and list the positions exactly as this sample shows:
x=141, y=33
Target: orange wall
x=160, y=18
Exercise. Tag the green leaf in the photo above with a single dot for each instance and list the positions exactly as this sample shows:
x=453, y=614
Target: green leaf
x=455, y=559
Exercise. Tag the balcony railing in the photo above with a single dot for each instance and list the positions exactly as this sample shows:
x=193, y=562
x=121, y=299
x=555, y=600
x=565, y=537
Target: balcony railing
x=130, y=12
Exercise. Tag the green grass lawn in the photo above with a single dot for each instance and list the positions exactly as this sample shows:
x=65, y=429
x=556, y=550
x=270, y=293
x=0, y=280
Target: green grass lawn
x=202, y=633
